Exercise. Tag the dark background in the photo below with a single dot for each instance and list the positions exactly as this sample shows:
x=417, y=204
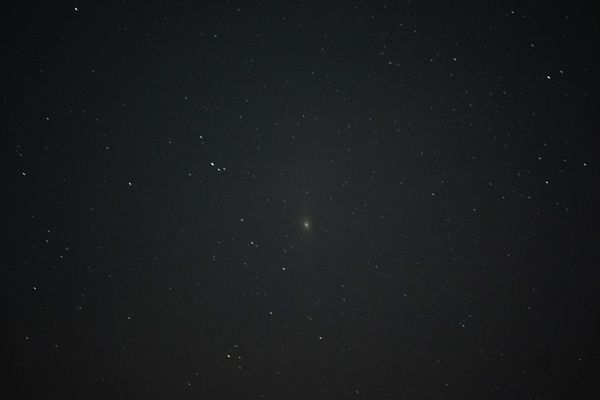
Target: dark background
x=160, y=161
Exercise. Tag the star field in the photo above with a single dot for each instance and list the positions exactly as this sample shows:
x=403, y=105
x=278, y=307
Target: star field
x=300, y=200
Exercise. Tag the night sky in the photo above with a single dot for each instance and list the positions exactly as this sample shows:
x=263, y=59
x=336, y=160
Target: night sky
x=300, y=200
